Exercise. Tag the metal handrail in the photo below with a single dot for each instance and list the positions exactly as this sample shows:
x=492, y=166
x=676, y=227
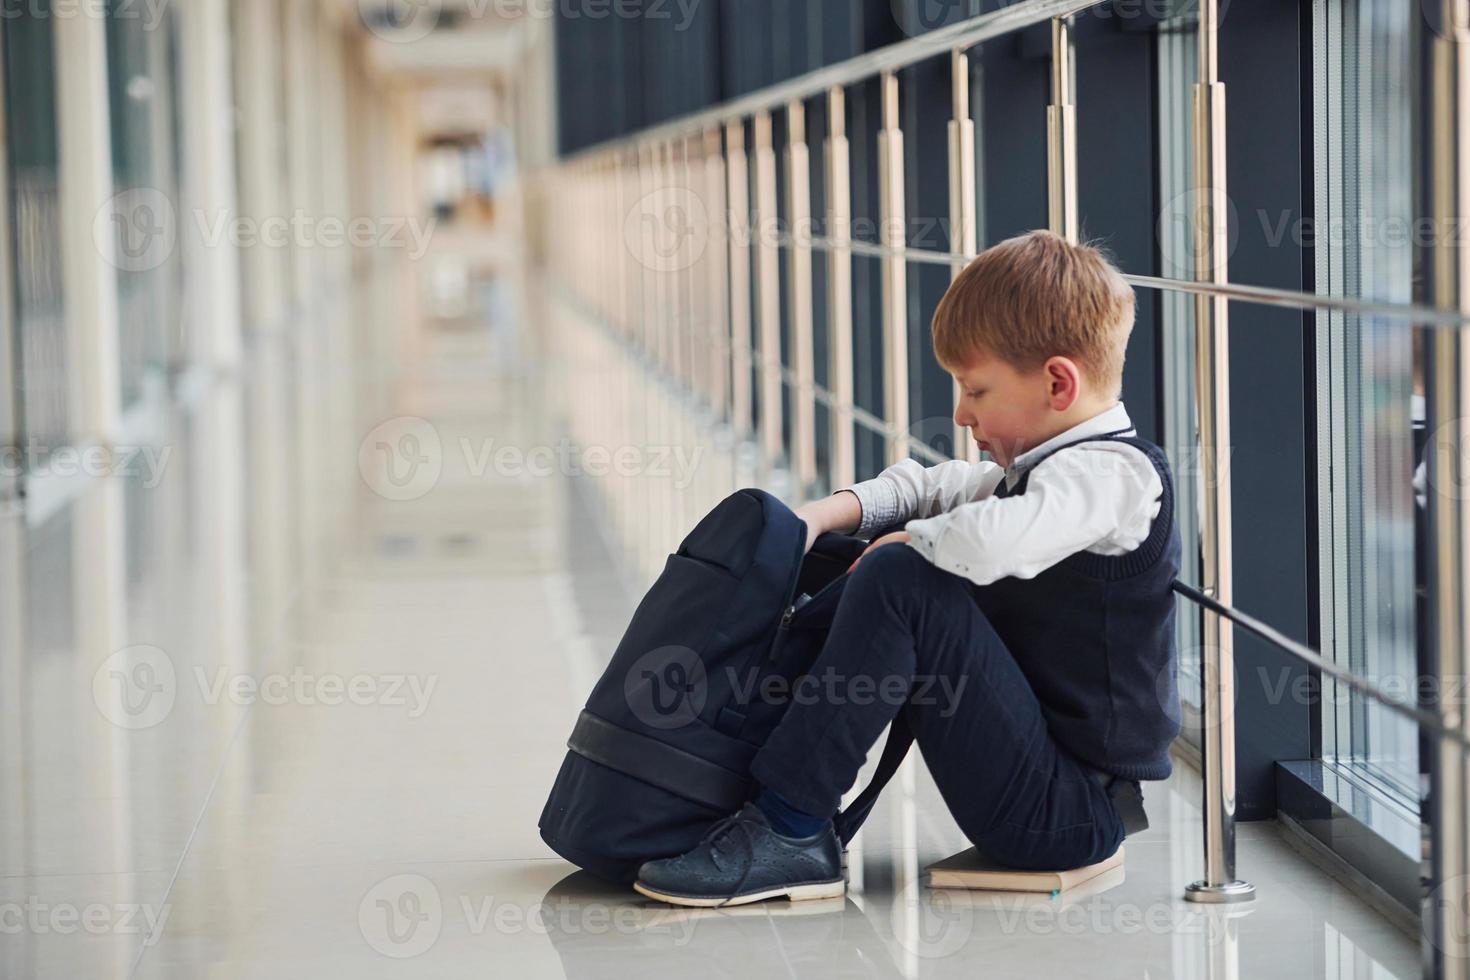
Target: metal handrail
x=1417, y=315
x=1304, y=653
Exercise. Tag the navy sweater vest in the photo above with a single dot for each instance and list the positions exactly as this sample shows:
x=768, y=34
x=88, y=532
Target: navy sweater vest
x=1094, y=635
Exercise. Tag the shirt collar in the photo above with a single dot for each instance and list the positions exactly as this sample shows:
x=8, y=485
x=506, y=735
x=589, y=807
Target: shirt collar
x=1109, y=420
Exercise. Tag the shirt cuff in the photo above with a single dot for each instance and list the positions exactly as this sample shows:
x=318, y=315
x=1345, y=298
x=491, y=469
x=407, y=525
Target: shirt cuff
x=924, y=535
x=880, y=502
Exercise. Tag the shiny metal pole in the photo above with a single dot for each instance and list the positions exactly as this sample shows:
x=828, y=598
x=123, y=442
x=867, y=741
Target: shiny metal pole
x=839, y=290
x=768, y=296
x=737, y=209
x=1061, y=135
x=1443, y=805
x=962, y=236
x=1212, y=389
x=894, y=271
x=799, y=300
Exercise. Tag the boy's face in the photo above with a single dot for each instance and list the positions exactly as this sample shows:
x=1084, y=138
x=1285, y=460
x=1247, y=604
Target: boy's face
x=1008, y=410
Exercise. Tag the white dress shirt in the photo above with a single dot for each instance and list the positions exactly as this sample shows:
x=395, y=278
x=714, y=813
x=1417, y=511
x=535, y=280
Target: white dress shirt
x=1100, y=497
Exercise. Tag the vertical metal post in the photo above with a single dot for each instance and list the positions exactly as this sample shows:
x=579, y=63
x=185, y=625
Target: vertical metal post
x=962, y=236
x=738, y=204
x=894, y=272
x=839, y=289
x=1443, y=807
x=1212, y=389
x=799, y=299
x=1061, y=134
x=10, y=405
x=716, y=271
x=768, y=293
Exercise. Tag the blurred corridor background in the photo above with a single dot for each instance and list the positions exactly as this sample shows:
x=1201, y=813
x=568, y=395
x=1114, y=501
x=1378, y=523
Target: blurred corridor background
x=362, y=360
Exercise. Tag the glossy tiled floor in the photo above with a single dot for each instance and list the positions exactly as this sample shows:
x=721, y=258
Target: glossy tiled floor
x=309, y=832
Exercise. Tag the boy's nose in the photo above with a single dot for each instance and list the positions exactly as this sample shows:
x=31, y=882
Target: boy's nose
x=961, y=417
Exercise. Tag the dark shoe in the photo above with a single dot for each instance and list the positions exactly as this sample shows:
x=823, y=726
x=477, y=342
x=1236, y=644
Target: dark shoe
x=741, y=859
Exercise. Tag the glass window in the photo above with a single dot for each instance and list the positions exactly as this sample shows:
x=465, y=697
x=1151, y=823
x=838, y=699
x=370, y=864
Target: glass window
x=1369, y=395
x=1178, y=71
x=34, y=223
x=145, y=153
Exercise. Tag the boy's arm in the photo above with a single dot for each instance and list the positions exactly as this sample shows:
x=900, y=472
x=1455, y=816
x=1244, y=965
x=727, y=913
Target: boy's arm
x=903, y=491
x=908, y=490
x=1069, y=505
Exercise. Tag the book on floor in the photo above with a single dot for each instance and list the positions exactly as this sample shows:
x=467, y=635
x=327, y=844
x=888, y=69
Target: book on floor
x=968, y=869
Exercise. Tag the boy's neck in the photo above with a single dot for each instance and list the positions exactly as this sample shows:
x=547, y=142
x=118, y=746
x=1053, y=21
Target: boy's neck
x=1079, y=412
x=1072, y=418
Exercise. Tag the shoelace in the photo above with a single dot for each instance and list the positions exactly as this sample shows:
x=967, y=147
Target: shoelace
x=720, y=832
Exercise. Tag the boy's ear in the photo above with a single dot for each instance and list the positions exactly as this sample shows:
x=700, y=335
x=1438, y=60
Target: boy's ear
x=1064, y=382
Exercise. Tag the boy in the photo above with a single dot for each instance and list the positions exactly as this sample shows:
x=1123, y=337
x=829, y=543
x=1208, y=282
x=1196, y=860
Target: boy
x=1035, y=589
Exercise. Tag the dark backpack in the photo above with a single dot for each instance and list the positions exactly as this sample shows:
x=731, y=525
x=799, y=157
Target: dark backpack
x=663, y=747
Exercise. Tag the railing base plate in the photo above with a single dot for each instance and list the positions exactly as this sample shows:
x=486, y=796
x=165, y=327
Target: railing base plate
x=1224, y=894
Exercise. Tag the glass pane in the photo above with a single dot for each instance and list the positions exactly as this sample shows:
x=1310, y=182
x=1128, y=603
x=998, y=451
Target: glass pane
x=1369, y=395
x=1177, y=49
x=34, y=221
x=141, y=98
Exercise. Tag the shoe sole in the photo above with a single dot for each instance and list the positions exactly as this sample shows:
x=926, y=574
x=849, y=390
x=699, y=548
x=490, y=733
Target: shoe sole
x=797, y=893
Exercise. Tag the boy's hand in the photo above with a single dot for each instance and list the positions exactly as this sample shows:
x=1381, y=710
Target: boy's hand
x=897, y=537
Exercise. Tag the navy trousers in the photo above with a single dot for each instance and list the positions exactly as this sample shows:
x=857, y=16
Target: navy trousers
x=908, y=636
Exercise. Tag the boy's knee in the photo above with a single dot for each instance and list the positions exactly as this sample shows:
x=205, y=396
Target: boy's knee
x=883, y=561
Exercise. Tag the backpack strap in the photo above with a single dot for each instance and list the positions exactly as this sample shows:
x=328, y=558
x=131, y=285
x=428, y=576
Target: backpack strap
x=900, y=737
